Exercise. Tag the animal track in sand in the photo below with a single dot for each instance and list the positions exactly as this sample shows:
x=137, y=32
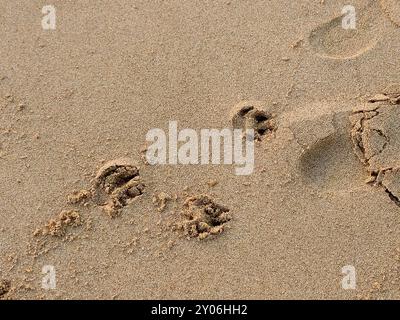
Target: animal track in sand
x=203, y=217
x=331, y=40
x=376, y=139
x=253, y=115
x=116, y=184
x=327, y=161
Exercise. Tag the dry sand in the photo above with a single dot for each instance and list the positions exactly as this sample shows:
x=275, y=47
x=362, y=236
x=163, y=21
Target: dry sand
x=325, y=190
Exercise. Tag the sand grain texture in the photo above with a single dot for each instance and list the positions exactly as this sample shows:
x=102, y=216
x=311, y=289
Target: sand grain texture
x=75, y=98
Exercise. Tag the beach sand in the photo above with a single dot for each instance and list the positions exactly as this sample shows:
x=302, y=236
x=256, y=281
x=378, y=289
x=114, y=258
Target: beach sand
x=76, y=194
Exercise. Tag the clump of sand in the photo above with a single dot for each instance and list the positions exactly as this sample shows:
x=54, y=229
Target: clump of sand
x=57, y=227
x=79, y=197
x=161, y=200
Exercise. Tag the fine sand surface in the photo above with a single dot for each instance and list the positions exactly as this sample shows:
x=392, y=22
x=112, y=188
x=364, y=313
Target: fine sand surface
x=76, y=104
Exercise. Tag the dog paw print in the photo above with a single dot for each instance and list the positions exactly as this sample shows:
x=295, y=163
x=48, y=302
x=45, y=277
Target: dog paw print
x=204, y=217
x=116, y=184
x=253, y=115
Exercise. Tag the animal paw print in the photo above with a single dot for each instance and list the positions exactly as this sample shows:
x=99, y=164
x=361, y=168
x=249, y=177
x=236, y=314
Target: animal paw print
x=252, y=115
x=204, y=217
x=116, y=184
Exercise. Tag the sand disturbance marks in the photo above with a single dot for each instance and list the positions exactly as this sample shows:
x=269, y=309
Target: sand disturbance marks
x=376, y=139
x=253, y=115
x=326, y=161
x=58, y=226
x=5, y=287
x=331, y=40
x=161, y=200
x=203, y=217
x=116, y=184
